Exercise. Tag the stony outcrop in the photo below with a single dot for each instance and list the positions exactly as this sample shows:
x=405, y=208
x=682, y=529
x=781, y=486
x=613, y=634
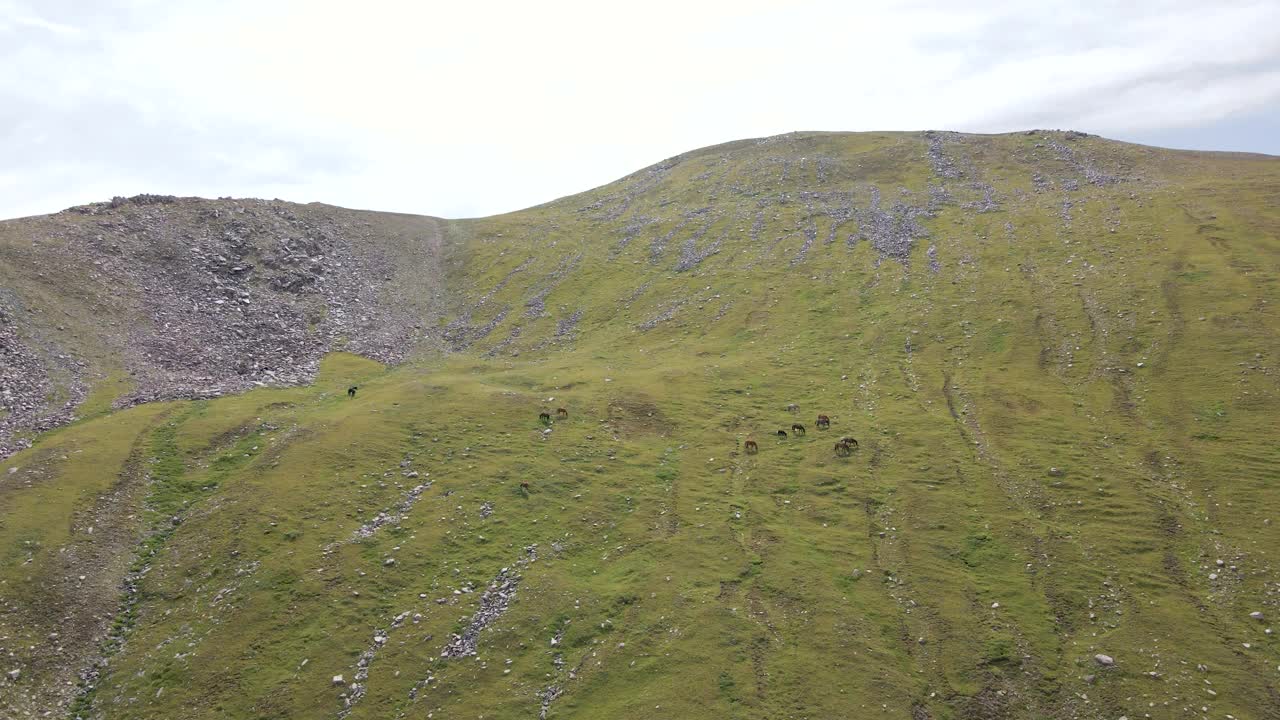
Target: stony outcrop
x=196, y=298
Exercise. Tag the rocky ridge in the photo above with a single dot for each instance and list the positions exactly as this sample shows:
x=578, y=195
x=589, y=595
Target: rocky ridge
x=194, y=298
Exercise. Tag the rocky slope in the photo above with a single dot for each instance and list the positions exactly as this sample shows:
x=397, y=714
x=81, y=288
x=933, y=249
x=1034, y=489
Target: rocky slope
x=1057, y=353
x=182, y=297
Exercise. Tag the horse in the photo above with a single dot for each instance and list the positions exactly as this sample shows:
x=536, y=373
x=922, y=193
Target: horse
x=853, y=444
x=823, y=422
x=524, y=486
x=351, y=391
x=752, y=448
x=545, y=417
x=562, y=414
x=797, y=428
x=793, y=408
x=782, y=434
x=842, y=450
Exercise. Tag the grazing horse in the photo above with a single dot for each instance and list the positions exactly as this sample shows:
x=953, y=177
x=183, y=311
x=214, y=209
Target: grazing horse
x=797, y=428
x=351, y=391
x=782, y=434
x=823, y=422
x=545, y=417
x=853, y=444
x=842, y=450
x=524, y=486
x=752, y=448
x=793, y=408
x=562, y=414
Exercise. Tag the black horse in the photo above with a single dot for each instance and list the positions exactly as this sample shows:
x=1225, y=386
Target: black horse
x=351, y=391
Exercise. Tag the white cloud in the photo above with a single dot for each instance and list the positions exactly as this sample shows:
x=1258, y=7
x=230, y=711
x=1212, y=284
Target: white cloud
x=468, y=108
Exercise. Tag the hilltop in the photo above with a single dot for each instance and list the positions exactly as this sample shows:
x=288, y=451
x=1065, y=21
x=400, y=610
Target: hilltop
x=1056, y=352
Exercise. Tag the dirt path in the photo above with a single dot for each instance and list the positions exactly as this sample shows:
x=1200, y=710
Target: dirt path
x=73, y=610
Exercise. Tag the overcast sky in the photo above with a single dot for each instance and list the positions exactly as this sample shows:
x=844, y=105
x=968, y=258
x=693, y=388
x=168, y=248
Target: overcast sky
x=462, y=109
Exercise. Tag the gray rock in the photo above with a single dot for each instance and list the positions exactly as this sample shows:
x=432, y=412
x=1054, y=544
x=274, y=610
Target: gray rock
x=1105, y=660
x=493, y=603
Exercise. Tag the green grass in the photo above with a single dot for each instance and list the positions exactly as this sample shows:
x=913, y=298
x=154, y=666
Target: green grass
x=941, y=571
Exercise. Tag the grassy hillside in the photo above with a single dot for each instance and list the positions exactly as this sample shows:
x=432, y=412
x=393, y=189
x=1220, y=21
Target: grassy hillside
x=1057, y=354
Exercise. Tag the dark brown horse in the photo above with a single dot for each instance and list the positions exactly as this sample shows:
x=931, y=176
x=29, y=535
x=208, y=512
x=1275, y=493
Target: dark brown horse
x=782, y=434
x=797, y=428
x=853, y=444
x=752, y=448
x=545, y=417
x=524, y=486
x=843, y=450
x=823, y=422
x=562, y=414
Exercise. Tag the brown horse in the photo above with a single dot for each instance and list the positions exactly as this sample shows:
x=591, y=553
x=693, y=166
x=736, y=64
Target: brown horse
x=842, y=450
x=823, y=422
x=782, y=434
x=524, y=486
x=797, y=428
x=853, y=444
x=545, y=417
x=752, y=448
x=562, y=414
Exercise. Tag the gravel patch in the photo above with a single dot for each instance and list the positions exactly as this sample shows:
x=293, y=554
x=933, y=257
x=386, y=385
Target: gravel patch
x=495, y=601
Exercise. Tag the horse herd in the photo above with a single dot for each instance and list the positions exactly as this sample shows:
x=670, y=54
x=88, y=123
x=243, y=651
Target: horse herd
x=561, y=414
x=844, y=446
